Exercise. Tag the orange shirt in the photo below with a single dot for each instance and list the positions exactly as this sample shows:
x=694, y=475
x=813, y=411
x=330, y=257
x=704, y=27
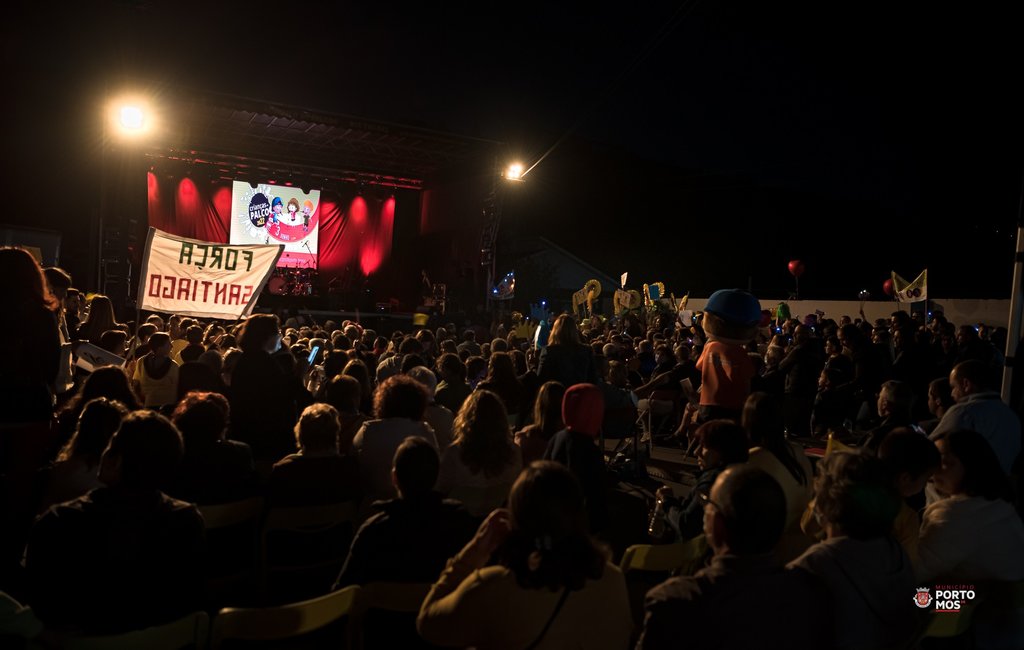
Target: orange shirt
x=726, y=371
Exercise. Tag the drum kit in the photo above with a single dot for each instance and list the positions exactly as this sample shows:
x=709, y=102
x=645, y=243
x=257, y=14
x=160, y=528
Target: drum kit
x=293, y=282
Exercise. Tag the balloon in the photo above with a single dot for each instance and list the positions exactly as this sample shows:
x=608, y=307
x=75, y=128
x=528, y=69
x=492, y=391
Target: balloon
x=887, y=287
x=796, y=268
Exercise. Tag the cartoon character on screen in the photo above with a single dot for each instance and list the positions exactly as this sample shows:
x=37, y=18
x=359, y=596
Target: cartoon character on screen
x=731, y=317
x=277, y=207
x=307, y=213
x=293, y=209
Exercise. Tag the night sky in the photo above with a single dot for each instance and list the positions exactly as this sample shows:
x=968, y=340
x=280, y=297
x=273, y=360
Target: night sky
x=700, y=144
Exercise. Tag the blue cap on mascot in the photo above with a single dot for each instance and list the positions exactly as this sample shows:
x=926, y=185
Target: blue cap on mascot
x=734, y=306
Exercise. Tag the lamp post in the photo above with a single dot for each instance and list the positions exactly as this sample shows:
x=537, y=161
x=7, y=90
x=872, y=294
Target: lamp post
x=492, y=225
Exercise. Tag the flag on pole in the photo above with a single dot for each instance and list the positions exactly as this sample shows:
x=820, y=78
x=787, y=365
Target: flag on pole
x=915, y=291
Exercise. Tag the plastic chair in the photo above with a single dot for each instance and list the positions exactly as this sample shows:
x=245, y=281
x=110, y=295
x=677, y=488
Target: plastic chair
x=231, y=514
x=304, y=523
x=480, y=501
x=232, y=537
x=680, y=556
x=275, y=623
x=394, y=596
x=188, y=632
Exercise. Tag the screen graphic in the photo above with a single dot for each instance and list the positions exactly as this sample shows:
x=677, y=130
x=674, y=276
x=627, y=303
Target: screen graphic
x=276, y=214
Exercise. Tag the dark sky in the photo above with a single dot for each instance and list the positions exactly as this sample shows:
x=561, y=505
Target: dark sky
x=857, y=137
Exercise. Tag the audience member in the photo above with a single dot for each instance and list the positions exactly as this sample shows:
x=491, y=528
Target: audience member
x=156, y=374
x=533, y=439
x=482, y=462
x=317, y=474
x=554, y=586
x=867, y=572
x=399, y=404
x=440, y=419
x=124, y=556
x=213, y=469
x=744, y=518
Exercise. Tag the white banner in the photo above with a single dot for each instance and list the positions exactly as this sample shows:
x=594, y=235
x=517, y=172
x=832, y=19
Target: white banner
x=203, y=279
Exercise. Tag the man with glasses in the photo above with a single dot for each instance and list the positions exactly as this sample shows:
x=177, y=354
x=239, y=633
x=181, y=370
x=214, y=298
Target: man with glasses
x=744, y=516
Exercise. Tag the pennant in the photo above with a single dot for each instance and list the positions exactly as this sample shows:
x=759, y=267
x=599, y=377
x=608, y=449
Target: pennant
x=622, y=279
x=916, y=291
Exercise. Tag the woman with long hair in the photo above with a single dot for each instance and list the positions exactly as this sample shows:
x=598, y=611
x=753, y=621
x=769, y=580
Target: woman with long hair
x=30, y=339
x=502, y=381
x=566, y=359
x=75, y=471
x=101, y=319
x=553, y=586
x=547, y=421
x=358, y=370
x=482, y=461
x=109, y=382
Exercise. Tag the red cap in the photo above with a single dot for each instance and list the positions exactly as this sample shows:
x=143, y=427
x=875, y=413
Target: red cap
x=583, y=409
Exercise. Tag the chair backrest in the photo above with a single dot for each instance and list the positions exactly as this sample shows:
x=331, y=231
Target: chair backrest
x=480, y=501
x=232, y=514
x=188, y=632
x=394, y=596
x=665, y=557
x=273, y=623
x=309, y=519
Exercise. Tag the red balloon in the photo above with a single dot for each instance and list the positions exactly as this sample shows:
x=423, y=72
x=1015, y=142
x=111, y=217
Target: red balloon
x=887, y=287
x=796, y=268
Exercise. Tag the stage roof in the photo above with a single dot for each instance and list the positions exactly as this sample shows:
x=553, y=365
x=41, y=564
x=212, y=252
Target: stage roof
x=260, y=140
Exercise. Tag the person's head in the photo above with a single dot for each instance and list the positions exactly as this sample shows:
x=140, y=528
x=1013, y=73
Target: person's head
x=410, y=346
x=317, y=429
x=801, y=333
x=358, y=370
x=722, y=443
x=97, y=422
x=114, y=341
x=22, y=282
x=910, y=458
x=548, y=546
x=451, y=368
x=202, y=419
x=618, y=374
x=411, y=361
x=344, y=393
x=970, y=467
x=583, y=409
x=194, y=335
x=482, y=432
x=745, y=512
x=469, y=336
x=58, y=280
x=110, y=382
x=476, y=368
x=564, y=331
x=547, y=409
x=160, y=344
x=400, y=396
x=855, y=496
x=415, y=468
x=101, y=314
x=212, y=360
x=425, y=376
x=500, y=368
x=851, y=337
x=966, y=334
x=970, y=377
x=833, y=346
x=260, y=332
x=895, y=400
x=763, y=420
x=145, y=331
x=499, y=345
x=940, y=396
x=143, y=454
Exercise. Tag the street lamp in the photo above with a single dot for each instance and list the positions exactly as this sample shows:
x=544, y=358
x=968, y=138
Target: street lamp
x=514, y=172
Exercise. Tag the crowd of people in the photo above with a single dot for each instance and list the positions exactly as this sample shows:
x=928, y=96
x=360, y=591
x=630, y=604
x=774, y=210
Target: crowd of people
x=473, y=458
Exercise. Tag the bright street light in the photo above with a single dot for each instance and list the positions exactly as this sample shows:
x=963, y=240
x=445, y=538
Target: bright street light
x=131, y=118
x=514, y=172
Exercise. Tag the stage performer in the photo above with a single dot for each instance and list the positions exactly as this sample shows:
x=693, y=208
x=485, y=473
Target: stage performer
x=731, y=317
